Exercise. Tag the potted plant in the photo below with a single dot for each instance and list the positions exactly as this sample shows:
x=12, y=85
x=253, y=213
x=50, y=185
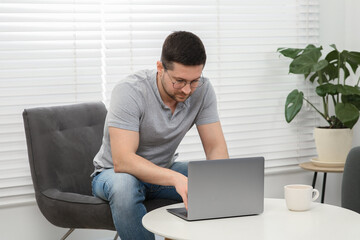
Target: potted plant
x=340, y=99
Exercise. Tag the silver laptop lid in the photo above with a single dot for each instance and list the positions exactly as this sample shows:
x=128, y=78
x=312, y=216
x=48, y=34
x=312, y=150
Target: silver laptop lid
x=225, y=188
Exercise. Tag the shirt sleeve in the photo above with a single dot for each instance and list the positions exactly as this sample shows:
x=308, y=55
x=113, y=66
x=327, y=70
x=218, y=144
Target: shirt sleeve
x=208, y=112
x=124, y=111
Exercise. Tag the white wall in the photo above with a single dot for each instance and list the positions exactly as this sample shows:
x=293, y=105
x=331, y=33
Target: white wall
x=338, y=26
x=27, y=222
x=338, y=20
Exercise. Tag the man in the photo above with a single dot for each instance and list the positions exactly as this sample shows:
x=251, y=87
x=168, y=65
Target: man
x=149, y=114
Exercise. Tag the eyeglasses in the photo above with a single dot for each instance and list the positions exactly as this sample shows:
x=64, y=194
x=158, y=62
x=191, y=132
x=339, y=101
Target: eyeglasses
x=178, y=84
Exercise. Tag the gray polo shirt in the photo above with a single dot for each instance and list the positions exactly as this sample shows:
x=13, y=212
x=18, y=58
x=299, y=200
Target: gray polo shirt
x=136, y=105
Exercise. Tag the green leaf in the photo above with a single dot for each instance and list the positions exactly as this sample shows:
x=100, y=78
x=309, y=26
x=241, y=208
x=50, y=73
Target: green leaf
x=347, y=113
x=353, y=56
x=333, y=46
x=319, y=65
x=335, y=59
x=313, y=77
x=353, y=66
x=311, y=47
x=324, y=76
x=333, y=89
x=353, y=59
x=294, y=102
x=349, y=90
x=331, y=71
x=325, y=89
x=305, y=62
x=290, y=52
x=342, y=63
x=346, y=71
x=353, y=99
x=331, y=56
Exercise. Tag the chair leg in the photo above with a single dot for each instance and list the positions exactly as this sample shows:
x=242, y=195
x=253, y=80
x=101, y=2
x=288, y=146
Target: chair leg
x=116, y=236
x=67, y=233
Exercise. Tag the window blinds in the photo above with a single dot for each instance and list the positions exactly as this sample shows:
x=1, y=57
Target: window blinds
x=250, y=79
x=50, y=54
x=65, y=51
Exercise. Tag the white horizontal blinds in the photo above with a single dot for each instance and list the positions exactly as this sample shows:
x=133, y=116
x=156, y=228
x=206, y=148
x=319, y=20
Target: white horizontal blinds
x=241, y=38
x=252, y=90
x=66, y=51
x=135, y=31
x=252, y=82
x=50, y=54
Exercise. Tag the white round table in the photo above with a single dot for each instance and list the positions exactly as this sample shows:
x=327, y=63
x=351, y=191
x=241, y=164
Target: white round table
x=321, y=222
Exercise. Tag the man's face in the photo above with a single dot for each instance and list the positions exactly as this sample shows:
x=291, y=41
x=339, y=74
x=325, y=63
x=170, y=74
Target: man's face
x=173, y=81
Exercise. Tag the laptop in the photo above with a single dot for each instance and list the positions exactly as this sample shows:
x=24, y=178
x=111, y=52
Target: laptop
x=224, y=188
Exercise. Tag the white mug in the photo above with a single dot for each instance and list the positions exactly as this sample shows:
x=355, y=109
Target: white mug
x=299, y=197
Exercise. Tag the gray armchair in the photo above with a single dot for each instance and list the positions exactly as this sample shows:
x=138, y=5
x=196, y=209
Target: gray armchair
x=350, y=190
x=61, y=143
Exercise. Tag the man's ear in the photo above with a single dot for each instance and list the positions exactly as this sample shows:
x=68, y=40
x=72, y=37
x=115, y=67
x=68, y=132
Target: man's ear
x=160, y=68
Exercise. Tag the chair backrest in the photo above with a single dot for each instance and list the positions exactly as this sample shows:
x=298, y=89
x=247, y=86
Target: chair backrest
x=350, y=192
x=62, y=142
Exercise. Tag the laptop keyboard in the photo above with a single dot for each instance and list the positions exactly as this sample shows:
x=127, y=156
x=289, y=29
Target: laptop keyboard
x=180, y=211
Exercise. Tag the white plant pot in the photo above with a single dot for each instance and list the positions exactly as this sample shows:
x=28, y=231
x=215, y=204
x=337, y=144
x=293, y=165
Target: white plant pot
x=333, y=145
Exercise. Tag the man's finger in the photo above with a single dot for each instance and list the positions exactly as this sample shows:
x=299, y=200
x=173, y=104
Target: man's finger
x=185, y=201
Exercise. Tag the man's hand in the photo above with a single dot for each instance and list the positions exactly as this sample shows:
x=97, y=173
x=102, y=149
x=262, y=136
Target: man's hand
x=181, y=186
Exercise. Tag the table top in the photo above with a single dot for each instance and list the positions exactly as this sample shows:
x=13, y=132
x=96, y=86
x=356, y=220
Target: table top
x=321, y=222
x=312, y=167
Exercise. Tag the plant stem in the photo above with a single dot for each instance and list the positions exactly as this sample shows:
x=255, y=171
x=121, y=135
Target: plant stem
x=325, y=104
x=357, y=84
x=334, y=100
x=338, y=74
x=345, y=61
x=317, y=110
x=320, y=77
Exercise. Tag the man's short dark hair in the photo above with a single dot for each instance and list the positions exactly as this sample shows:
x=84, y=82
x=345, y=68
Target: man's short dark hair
x=183, y=47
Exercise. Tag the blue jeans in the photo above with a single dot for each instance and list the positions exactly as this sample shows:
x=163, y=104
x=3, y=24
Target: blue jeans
x=126, y=195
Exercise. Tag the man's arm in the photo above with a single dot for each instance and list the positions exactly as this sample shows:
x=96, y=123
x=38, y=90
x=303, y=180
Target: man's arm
x=213, y=141
x=124, y=144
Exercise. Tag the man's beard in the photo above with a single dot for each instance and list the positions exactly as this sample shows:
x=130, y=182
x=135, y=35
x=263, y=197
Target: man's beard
x=173, y=96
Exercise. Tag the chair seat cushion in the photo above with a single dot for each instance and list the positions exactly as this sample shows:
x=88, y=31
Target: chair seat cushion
x=56, y=194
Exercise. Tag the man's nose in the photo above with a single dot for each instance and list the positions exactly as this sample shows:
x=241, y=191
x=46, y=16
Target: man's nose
x=186, y=89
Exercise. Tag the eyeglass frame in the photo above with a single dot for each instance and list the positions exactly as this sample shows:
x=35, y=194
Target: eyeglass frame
x=200, y=81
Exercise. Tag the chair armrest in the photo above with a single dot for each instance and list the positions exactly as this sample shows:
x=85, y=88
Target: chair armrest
x=56, y=194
